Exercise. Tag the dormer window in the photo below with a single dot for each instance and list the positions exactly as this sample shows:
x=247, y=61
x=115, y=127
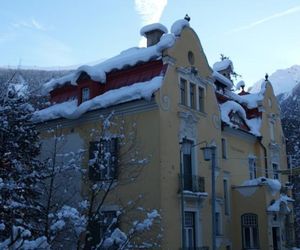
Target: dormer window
x=85, y=94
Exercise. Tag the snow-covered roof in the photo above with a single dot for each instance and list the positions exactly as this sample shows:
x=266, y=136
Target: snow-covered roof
x=217, y=76
x=223, y=64
x=178, y=26
x=284, y=199
x=232, y=106
x=129, y=57
x=151, y=27
x=273, y=184
x=70, y=110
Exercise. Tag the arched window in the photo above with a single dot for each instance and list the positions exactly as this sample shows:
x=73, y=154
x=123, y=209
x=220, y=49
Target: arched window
x=250, y=231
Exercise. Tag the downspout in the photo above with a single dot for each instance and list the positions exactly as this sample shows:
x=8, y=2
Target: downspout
x=265, y=155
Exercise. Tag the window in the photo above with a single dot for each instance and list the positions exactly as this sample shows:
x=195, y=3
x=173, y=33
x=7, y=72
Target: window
x=226, y=197
x=201, y=99
x=187, y=168
x=192, y=95
x=183, y=84
x=249, y=231
x=85, y=94
x=252, y=167
x=189, y=230
x=275, y=171
x=102, y=227
x=103, y=159
x=224, y=148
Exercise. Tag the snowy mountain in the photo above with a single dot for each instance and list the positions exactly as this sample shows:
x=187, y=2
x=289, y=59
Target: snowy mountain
x=283, y=80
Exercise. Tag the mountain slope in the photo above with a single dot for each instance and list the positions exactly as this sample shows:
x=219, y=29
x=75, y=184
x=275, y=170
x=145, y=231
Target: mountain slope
x=283, y=80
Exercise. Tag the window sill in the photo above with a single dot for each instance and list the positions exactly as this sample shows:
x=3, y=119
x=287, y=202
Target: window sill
x=202, y=113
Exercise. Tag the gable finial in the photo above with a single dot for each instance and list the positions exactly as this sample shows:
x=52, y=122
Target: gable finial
x=266, y=77
x=187, y=17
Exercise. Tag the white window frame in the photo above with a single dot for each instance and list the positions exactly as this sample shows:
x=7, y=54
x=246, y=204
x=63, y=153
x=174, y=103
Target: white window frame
x=252, y=167
x=85, y=94
x=251, y=230
x=198, y=231
x=197, y=84
x=275, y=170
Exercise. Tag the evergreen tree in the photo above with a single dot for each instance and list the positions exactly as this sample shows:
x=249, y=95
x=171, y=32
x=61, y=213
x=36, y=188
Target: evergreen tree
x=19, y=147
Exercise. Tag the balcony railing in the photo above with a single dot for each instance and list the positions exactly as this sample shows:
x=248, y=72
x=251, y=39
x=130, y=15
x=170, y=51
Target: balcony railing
x=193, y=183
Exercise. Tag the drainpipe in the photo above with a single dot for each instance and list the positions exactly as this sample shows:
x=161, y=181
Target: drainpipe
x=265, y=156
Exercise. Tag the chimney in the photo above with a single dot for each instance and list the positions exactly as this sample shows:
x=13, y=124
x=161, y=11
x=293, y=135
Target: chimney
x=153, y=33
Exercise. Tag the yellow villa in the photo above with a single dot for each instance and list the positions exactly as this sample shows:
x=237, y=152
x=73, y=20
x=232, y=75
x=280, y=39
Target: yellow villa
x=212, y=156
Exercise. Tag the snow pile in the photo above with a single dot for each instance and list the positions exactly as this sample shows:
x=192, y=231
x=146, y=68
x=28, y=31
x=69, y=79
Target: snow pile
x=129, y=57
x=146, y=223
x=178, y=26
x=70, y=110
x=239, y=85
x=198, y=194
x=231, y=106
x=217, y=76
x=19, y=241
x=117, y=238
x=273, y=184
x=152, y=27
x=222, y=65
x=284, y=199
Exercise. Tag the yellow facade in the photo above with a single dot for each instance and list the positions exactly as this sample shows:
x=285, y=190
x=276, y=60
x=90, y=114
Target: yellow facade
x=162, y=124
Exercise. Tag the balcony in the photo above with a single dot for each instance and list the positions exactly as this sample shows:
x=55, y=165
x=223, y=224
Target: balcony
x=192, y=183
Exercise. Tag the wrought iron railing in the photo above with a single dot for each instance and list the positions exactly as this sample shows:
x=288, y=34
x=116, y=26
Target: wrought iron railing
x=193, y=183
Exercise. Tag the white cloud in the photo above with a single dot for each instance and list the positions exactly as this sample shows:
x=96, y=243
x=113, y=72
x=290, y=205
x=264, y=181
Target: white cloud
x=266, y=19
x=31, y=24
x=150, y=12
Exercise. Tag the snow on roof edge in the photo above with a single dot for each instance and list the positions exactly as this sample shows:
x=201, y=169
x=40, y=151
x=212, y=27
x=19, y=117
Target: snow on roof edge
x=217, y=76
x=231, y=106
x=129, y=57
x=178, y=26
x=70, y=110
x=222, y=65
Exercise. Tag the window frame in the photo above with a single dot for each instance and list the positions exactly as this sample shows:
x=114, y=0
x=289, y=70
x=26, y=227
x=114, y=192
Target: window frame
x=201, y=99
x=251, y=228
x=98, y=228
x=275, y=170
x=183, y=91
x=96, y=170
x=226, y=197
x=188, y=228
x=85, y=94
x=188, y=170
x=252, y=167
x=192, y=93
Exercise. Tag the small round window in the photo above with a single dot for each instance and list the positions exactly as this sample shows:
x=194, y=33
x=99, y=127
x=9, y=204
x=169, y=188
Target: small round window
x=191, y=57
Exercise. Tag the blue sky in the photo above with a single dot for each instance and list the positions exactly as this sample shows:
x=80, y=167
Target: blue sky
x=259, y=35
